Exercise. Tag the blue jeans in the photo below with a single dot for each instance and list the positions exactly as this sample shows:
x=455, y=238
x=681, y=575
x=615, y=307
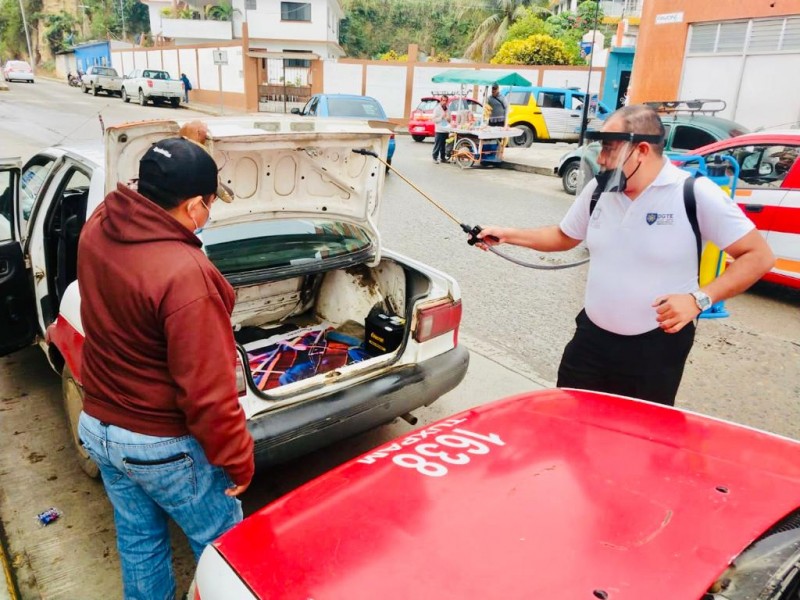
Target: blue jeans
x=149, y=479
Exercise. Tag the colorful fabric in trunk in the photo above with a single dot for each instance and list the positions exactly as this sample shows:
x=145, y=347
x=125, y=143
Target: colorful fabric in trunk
x=292, y=356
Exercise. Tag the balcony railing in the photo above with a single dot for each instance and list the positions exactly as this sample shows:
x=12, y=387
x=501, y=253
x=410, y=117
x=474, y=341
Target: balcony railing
x=196, y=29
x=622, y=8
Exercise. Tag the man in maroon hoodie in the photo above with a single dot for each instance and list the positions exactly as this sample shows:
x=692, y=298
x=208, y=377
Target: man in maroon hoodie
x=161, y=413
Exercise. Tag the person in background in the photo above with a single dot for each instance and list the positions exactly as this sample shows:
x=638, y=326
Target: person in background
x=440, y=117
x=498, y=106
x=187, y=87
x=161, y=415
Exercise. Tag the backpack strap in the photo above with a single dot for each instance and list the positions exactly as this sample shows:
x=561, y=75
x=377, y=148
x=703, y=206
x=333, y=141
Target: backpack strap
x=595, y=198
x=690, y=203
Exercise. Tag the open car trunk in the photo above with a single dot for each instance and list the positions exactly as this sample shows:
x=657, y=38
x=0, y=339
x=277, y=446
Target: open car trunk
x=319, y=306
x=297, y=330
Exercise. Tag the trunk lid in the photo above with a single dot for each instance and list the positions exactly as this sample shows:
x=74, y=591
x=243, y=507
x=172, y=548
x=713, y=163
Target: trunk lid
x=278, y=168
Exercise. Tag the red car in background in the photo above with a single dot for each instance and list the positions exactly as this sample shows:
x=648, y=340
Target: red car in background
x=420, y=125
x=768, y=191
x=554, y=495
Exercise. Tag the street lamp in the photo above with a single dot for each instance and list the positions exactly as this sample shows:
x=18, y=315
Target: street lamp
x=27, y=37
x=585, y=112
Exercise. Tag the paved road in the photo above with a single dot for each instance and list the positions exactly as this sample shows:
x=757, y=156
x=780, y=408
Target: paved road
x=516, y=322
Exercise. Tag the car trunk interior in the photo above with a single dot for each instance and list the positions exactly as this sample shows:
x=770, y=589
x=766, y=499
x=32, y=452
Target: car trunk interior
x=348, y=320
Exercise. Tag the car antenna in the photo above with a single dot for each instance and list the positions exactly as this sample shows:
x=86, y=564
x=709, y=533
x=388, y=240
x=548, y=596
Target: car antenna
x=472, y=232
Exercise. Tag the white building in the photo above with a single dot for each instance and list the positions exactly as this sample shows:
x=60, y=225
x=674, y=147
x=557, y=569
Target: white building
x=610, y=8
x=311, y=28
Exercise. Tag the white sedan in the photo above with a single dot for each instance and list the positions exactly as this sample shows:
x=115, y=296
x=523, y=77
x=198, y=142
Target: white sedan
x=18, y=70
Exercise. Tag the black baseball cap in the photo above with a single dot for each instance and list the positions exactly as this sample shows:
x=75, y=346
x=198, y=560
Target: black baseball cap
x=175, y=169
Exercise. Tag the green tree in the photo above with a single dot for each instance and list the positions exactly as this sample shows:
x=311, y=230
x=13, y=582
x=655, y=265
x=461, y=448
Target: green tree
x=220, y=12
x=373, y=27
x=531, y=23
x=106, y=18
x=12, y=33
x=570, y=27
x=58, y=27
x=535, y=50
x=492, y=31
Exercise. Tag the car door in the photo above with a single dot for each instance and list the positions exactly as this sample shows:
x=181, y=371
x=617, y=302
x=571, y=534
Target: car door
x=784, y=237
x=575, y=102
x=768, y=191
x=52, y=246
x=557, y=117
x=17, y=309
x=686, y=137
x=310, y=109
x=128, y=79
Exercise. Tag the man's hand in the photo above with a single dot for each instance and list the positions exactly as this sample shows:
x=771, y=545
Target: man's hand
x=235, y=491
x=675, y=311
x=197, y=131
x=499, y=233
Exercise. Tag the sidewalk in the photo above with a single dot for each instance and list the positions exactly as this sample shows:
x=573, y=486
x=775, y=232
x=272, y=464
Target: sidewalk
x=540, y=158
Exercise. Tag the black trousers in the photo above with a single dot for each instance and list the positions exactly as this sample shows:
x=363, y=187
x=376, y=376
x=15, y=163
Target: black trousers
x=438, y=145
x=647, y=366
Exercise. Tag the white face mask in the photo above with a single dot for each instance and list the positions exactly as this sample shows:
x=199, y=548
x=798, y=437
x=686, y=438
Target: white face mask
x=197, y=229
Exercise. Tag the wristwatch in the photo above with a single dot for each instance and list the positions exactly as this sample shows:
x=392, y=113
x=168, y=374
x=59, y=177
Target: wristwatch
x=702, y=300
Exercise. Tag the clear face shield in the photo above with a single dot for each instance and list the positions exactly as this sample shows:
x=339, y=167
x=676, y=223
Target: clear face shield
x=610, y=157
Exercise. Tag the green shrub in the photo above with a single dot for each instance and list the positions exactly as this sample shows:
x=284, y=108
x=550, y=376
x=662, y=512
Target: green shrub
x=534, y=50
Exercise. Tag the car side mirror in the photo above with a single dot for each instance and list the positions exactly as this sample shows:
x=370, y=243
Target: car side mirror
x=295, y=111
x=765, y=169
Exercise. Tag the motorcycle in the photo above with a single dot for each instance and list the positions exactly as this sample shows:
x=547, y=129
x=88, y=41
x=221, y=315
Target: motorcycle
x=73, y=79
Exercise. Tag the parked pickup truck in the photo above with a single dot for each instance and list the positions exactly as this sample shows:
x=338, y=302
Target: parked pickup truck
x=299, y=243
x=101, y=79
x=150, y=85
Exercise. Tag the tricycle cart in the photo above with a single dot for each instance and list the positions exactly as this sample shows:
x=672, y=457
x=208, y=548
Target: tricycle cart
x=479, y=143
x=484, y=145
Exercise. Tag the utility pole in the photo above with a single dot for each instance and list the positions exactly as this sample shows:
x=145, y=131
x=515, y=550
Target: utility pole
x=122, y=12
x=586, y=100
x=27, y=37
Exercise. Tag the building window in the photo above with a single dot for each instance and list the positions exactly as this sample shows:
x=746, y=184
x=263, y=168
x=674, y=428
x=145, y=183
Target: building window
x=250, y=5
x=296, y=62
x=295, y=11
x=757, y=35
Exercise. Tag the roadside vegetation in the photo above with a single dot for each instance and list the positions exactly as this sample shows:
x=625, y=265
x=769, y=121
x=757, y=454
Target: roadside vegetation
x=521, y=32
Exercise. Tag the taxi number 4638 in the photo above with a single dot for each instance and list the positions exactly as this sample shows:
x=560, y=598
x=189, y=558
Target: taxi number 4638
x=471, y=443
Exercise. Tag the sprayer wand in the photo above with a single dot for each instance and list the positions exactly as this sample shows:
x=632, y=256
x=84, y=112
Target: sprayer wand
x=471, y=231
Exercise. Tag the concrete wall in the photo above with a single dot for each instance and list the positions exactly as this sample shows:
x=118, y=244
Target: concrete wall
x=399, y=86
x=198, y=64
x=661, y=47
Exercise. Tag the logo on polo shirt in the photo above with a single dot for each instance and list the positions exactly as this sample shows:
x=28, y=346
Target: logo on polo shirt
x=659, y=219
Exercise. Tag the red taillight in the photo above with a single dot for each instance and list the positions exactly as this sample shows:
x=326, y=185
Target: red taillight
x=437, y=319
x=241, y=377
x=149, y=83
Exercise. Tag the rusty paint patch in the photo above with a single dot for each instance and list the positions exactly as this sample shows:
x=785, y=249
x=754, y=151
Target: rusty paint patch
x=364, y=278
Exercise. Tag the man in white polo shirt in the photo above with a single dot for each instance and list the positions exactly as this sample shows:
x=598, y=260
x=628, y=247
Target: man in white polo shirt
x=642, y=294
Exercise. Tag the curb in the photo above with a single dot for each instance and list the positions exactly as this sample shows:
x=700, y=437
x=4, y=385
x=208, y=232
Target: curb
x=10, y=590
x=527, y=168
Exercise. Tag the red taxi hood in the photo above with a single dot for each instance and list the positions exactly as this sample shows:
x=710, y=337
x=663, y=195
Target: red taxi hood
x=588, y=495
